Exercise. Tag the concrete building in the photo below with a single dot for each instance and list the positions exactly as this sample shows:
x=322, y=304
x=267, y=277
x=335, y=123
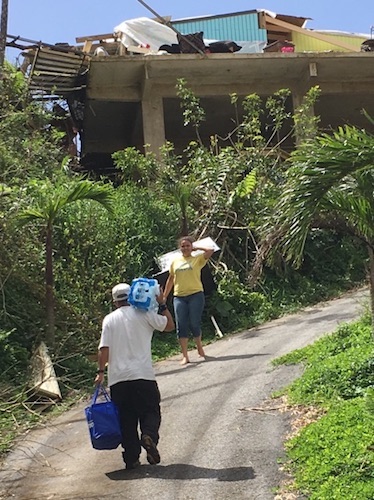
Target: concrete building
x=128, y=96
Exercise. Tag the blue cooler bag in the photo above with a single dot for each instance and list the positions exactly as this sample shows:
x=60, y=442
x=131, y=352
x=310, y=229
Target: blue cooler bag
x=103, y=422
x=143, y=294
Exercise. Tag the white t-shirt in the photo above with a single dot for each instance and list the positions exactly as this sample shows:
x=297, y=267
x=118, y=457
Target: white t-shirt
x=128, y=334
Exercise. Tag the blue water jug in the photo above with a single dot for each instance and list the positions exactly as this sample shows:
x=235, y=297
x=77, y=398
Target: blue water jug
x=143, y=292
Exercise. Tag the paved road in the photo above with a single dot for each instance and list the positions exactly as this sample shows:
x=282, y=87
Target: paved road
x=210, y=448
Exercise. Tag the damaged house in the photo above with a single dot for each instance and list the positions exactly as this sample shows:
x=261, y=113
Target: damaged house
x=120, y=87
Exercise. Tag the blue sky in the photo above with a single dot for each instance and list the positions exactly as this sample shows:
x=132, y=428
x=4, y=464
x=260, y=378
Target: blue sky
x=53, y=21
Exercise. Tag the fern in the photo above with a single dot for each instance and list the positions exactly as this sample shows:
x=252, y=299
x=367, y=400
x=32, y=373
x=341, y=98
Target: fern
x=247, y=185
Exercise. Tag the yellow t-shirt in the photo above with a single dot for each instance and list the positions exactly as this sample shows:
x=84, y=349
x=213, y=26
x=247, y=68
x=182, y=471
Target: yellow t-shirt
x=187, y=274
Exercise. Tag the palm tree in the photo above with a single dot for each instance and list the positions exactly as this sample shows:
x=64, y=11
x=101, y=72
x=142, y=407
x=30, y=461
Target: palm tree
x=47, y=205
x=181, y=193
x=330, y=185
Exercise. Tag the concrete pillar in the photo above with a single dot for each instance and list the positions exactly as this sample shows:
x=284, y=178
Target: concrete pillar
x=297, y=98
x=153, y=121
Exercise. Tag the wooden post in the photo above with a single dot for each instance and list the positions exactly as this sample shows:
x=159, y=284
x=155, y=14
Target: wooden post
x=3, y=30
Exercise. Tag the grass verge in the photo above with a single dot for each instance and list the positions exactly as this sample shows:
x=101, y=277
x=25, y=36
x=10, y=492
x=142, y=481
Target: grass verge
x=333, y=456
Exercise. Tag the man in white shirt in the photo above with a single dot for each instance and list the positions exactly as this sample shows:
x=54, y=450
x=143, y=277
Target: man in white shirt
x=125, y=346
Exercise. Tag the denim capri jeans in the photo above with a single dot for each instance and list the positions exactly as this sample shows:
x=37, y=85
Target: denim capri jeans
x=188, y=312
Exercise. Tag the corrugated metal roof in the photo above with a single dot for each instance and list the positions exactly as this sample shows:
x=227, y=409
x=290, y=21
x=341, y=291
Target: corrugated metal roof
x=55, y=72
x=51, y=70
x=238, y=27
x=305, y=43
x=253, y=11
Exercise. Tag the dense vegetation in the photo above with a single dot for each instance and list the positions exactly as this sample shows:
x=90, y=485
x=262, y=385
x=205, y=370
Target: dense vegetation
x=66, y=239
x=332, y=458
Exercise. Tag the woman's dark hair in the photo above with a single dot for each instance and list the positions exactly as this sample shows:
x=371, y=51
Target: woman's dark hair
x=191, y=239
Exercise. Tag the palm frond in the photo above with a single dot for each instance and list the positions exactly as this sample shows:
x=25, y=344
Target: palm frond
x=355, y=209
x=49, y=199
x=341, y=163
x=30, y=215
x=87, y=190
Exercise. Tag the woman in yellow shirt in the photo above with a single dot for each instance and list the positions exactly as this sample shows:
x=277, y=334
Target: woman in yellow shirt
x=189, y=300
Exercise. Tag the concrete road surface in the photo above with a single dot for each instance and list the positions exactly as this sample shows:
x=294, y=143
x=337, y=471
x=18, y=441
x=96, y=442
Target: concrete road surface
x=212, y=446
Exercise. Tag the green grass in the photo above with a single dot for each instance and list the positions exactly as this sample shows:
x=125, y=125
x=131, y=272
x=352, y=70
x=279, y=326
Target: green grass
x=333, y=457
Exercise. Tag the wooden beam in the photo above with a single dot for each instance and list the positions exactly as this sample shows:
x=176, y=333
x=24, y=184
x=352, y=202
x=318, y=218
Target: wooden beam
x=87, y=46
x=312, y=34
x=94, y=38
x=277, y=29
x=261, y=20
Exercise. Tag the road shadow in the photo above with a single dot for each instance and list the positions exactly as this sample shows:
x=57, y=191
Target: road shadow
x=182, y=472
x=189, y=366
x=342, y=317
x=195, y=364
x=236, y=356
